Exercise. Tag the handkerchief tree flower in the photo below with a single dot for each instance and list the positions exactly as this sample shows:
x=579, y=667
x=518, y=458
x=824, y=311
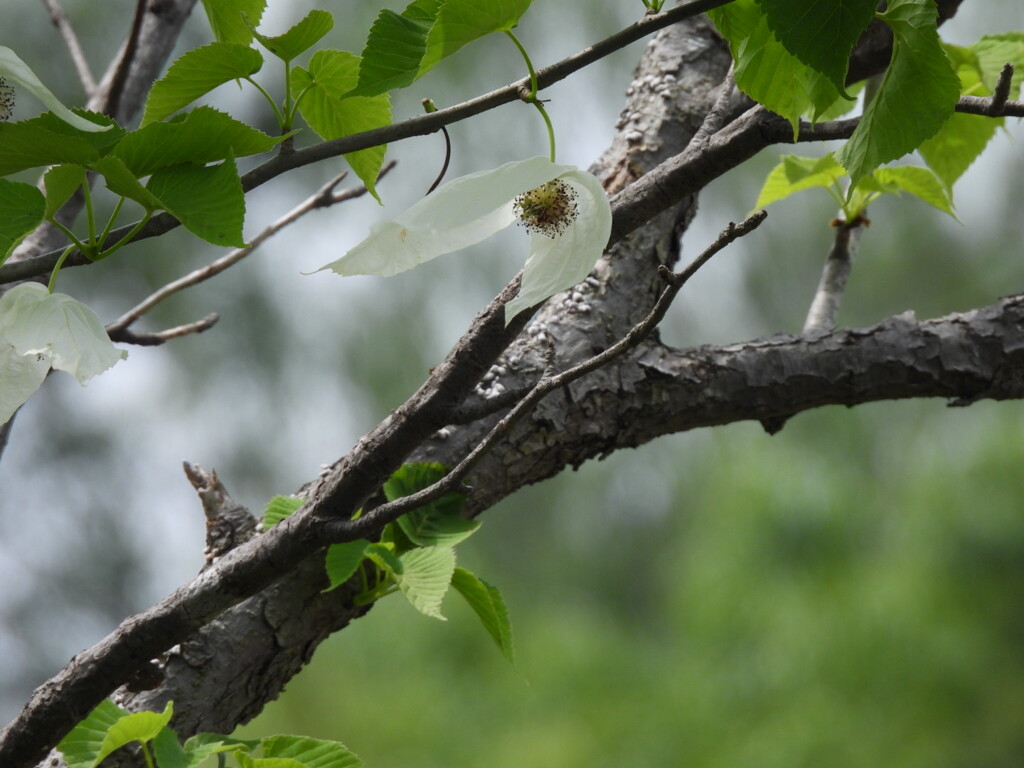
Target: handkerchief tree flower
x=565, y=210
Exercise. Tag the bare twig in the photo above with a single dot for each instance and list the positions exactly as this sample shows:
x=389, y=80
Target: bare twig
x=824, y=310
x=127, y=336
x=1001, y=93
x=717, y=117
x=323, y=198
x=372, y=521
x=60, y=21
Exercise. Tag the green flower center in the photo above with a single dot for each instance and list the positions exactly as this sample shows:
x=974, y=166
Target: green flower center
x=549, y=209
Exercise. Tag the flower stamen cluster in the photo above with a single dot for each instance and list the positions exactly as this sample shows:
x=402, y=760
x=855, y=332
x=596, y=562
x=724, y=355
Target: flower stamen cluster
x=549, y=209
x=6, y=99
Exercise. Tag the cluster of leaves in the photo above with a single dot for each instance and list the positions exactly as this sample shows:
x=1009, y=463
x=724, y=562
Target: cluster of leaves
x=109, y=728
x=415, y=555
x=794, y=58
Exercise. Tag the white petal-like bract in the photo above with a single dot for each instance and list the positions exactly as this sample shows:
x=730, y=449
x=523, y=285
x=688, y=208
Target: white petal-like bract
x=471, y=208
x=18, y=72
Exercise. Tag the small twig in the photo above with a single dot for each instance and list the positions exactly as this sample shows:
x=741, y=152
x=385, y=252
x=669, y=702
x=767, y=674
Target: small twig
x=717, y=116
x=347, y=530
x=1001, y=93
x=63, y=25
x=824, y=309
x=324, y=197
x=127, y=336
x=447, y=160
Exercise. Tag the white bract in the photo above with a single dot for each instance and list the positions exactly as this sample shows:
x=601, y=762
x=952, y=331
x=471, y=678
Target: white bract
x=39, y=331
x=18, y=72
x=565, y=210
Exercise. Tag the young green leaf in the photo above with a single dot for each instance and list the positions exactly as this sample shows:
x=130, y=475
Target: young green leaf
x=60, y=183
x=197, y=73
x=231, y=19
x=994, y=51
x=488, y=604
x=23, y=209
x=82, y=745
x=314, y=753
x=342, y=560
x=793, y=174
x=331, y=75
x=299, y=38
x=820, y=33
x=277, y=509
x=201, y=136
x=18, y=72
x=134, y=727
x=385, y=557
x=207, y=199
x=916, y=97
x=395, y=47
x=438, y=523
x=460, y=22
x=951, y=151
x=922, y=183
x=426, y=574
x=169, y=753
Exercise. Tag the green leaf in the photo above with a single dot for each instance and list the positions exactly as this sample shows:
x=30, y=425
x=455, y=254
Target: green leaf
x=958, y=143
x=395, y=47
x=438, y=523
x=203, y=135
x=385, y=557
x=169, y=753
x=488, y=604
x=23, y=209
x=993, y=51
x=231, y=19
x=766, y=71
x=81, y=746
x=207, y=200
x=922, y=183
x=57, y=327
x=916, y=96
x=18, y=72
x=330, y=76
x=32, y=143
x=426, y=574
x=462, y=21
x=277, y=509
x=134, y=727
x=820, y=33
x=60, y=183
x=122, y=182
x=196, y=73
x=794, y=174
x=342, y=560
x=314, y=753
x=299, y=38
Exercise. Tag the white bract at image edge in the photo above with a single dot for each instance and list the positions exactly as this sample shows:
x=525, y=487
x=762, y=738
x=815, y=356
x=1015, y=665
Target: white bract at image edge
x=471, y=208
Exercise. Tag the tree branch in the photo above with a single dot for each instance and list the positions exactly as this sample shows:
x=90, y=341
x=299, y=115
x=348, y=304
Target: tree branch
x=60, y=21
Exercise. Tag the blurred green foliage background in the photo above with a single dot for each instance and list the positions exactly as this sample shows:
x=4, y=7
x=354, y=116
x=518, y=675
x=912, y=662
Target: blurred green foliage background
x=849, y=592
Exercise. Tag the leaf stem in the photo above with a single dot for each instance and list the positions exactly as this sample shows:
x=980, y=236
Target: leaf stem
x=531, y=97
x=56, y=267
x=270, y=100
